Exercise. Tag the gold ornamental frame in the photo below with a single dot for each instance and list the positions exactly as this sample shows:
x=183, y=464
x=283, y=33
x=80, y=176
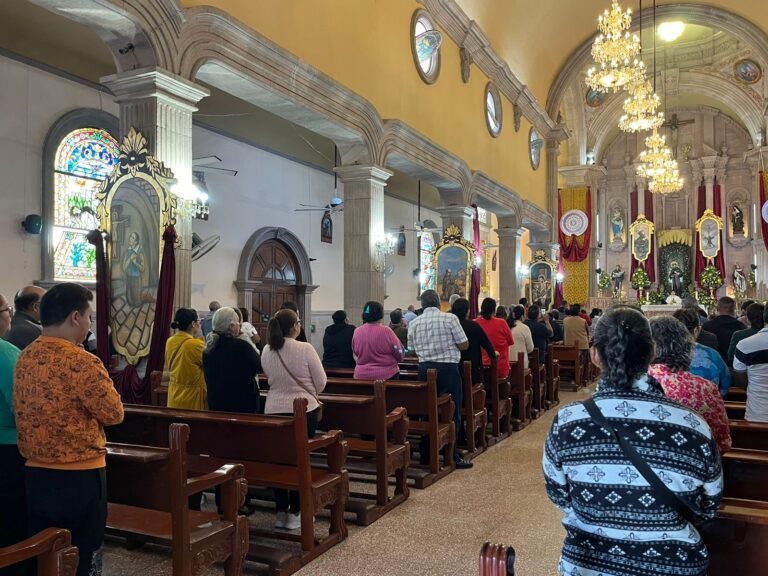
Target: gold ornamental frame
x=645, y=226
x=453, y=241
x=709, y=227
x=539, y=262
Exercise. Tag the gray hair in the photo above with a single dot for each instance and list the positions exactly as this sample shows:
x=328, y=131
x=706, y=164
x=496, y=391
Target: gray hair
x=223, y=318
x=430, y=299
x=674, y=343
x=453, y=299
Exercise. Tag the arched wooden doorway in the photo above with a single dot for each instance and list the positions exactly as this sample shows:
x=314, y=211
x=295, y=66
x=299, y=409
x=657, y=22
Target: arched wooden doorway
x=274, y=267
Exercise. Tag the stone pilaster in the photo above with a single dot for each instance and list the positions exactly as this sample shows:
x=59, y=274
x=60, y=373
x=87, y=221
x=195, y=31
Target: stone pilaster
x=461, y=216
x=363, y=223
x=510, y=260
x=160, y=104
x=553, y=152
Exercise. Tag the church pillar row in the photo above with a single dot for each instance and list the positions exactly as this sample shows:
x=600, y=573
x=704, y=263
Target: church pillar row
x=461, y=216
x=363, y=232
x=160, y=104
x=510, y=259
x=553, y=151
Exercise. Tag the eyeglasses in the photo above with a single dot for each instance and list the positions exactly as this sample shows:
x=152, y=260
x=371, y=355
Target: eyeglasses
x=9, y=309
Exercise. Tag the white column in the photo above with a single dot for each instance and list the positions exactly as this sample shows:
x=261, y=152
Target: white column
x=159, y=104
x=363, y=223
x=553, y=152
x=510, y=260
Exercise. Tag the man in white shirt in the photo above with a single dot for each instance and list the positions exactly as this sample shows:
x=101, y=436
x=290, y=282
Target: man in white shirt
x=751, y=357
x=438, y=339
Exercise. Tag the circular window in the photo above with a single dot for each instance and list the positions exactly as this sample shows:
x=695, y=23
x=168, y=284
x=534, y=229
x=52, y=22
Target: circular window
x=493, y=110
x=535, y=144
x=425, y=46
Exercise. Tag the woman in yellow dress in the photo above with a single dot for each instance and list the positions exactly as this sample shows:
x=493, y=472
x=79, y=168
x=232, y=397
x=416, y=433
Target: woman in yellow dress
x=184, y=362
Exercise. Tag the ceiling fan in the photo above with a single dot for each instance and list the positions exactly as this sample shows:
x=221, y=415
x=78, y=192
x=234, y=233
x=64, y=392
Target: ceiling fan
x=203, y=164
x=419, y=226
x=335, y=204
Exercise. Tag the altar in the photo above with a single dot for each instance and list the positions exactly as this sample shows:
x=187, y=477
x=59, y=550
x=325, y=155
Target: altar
x=601, y=302
x=651, y=310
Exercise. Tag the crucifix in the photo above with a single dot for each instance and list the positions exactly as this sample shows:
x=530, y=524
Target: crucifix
x=674, y=124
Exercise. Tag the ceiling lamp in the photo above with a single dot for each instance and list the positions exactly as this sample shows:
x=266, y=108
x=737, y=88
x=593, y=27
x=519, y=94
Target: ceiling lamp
x=654, y=158
x=670, y=31
x=640, y=109
x=615, y=52
x=669, y=181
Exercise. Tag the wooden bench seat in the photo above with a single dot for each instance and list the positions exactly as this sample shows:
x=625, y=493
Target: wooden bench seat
x=498, y=403
x=752, y=435
x=737, y=540
x=736, y=394
x=52, y=548
x=429, y=416
x=473, y=412
x=569, y=360
x=553, y=379
x=745, y=473
x=273, y=451
x=520, y=391
x=148, y=498
x=539, y=383
x=736, y=410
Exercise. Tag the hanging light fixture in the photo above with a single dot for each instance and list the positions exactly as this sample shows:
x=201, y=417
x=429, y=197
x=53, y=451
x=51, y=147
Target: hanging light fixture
x=668, y=181
x=615, y=52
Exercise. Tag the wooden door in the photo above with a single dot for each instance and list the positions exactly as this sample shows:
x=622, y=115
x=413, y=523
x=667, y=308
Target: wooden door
x=276, y=269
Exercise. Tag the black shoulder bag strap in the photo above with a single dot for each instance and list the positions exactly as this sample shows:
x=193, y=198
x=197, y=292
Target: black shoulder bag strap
x=660, y=490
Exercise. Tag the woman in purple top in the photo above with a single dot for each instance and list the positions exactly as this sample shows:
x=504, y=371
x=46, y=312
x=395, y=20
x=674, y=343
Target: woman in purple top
x=377, y=349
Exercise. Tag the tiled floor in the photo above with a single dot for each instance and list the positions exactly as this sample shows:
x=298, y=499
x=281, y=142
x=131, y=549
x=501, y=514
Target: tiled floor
x=437, y=531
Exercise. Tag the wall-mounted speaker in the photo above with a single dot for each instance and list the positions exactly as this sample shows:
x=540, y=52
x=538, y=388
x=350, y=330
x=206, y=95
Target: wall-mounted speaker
x=33, y=223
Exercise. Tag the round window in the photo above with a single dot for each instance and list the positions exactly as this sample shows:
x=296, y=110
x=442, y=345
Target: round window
x=535, y=144
x=425, y=46
x=493, y=110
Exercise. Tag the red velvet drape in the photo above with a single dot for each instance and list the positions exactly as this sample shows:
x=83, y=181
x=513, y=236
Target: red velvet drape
x=570, y=248
x=474, y=288
x=103, y=298
x=163, y=312
x=763, y=223
x=650, y=264
x=633, y=213
x=701, y=262
x=717, y=208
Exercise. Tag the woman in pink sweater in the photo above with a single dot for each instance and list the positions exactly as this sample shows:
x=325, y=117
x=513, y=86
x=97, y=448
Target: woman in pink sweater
x=294, y=371
x=376, y=347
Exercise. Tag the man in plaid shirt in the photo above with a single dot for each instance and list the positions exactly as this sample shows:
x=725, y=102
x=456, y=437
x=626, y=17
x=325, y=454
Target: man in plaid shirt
x=438, y=339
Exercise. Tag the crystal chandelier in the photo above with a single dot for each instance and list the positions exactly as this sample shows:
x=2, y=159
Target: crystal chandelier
x=668, y=181
x=640, y=109
x=615, y=52
x=658, y=166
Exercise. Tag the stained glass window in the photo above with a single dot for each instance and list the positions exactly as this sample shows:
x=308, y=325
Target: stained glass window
x=84, y=159
x=426, y=247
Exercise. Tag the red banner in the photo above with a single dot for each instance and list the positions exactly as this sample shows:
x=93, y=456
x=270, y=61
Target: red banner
x=575, y=248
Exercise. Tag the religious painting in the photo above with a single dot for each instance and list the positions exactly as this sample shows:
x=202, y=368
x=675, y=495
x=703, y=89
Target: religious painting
x=595, y=98
x=326, y=228
x=541, y=283
x=401, y=242
x=738, y=225
x=641, y=231
x=747, y=71
x=675, y=267
x=617, y=227
x=453, y=266
x=135, y=205
x=708, y=227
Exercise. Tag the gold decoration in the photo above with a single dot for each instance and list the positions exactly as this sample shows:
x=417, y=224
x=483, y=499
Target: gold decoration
x=541, y=288
x=708, y=228
x=682, y=236
x=641, y=232
x=453, y=251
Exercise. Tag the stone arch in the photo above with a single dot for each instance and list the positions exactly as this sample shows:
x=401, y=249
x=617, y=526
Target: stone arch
x=497, y=198
x=245, y=285
x=80, y=118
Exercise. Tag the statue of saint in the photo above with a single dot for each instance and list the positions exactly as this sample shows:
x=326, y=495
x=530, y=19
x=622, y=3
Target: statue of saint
x=737, y=219
x=617, y=225
x=617, y=277
x=676, y=278
x=739, y=279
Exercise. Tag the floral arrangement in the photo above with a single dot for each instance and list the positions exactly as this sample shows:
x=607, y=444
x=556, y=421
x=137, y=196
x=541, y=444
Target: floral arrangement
x=705, y=299
x=603, y=281
x=752, y=277
x=710, y=278
x=658, y=297
x=640, y=279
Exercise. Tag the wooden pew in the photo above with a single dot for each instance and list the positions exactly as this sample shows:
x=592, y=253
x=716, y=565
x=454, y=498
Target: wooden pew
x=569, y=359
x=149, y=490
x=736, y=410
x=553, y=379
x=751, y=435
x=539, y=388
x=158, y=384
x=363, y=417
x=745, y=472
x=474, y=412
x=497, y=560
x=275, y=453
x=429, y=416
x=520, y=392
x=498, y=403
x=52, y=548
x=737, y=540
x=736, y=394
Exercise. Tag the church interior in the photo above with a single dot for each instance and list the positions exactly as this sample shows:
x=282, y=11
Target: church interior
x=331, y=153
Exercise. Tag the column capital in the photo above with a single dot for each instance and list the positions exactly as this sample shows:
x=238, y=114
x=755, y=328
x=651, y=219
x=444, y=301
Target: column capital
x=550, y=248
x=508, y=232
x=153, y=82
x=456, y=212
x=363, y=173
x=583, y=175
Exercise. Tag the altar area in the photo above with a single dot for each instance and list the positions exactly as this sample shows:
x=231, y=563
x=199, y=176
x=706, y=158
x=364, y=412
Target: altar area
x=651, y=310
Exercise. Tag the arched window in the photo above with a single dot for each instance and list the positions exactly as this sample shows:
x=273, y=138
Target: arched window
x=427, y=275
x=79, y=154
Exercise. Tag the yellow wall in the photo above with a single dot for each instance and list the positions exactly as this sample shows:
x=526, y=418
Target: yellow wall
x=365, y=46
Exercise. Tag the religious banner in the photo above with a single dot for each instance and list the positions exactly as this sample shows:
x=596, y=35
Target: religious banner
x=452, y=261
x=574, y=234
x=641, y=233
x=708, y=228
x=541, y=280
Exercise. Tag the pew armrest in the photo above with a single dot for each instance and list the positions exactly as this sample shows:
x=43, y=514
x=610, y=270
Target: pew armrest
x=53, y=546
x=216, y=478
x=397, y=421
x=335, y=446
x=445, y=408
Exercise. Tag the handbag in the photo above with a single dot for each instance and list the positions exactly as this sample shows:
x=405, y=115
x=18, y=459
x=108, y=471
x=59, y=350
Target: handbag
x=662, y=493
x=319, y=409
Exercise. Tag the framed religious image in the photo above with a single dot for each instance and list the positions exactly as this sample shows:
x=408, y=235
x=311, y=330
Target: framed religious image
x=708, y=228
x=617, y=229
x=452, y=261
x=401, y=242
x=541, y=283
x=134, y=207
x=326, y=228
x=641, y=232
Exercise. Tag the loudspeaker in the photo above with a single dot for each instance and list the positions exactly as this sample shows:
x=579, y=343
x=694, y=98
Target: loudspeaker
x=33, y=223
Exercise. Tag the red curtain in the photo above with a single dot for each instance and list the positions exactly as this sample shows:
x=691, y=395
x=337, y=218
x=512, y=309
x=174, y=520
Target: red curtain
x=650, y=264
x=570, y=248
x=763, y=223
x=474, y=288
x=701, y=262
x=96, y=238
x=717, y=208
x=633, y=213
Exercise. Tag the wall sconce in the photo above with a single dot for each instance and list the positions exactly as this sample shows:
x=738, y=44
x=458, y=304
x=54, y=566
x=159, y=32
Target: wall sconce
x=559, y=277
x=194, y=202
x=591, y=158
x=384, y=244
x=525, y=270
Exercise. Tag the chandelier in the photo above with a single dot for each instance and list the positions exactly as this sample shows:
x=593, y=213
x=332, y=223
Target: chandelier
x=668, y=181
x=640, y=109
x=615, y=52
x=658, y=166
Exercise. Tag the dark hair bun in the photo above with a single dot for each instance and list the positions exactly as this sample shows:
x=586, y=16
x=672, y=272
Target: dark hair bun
x=175, y=325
